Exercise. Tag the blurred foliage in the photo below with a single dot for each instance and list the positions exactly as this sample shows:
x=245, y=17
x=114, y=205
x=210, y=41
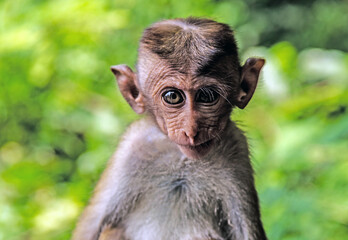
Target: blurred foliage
x=61, y=114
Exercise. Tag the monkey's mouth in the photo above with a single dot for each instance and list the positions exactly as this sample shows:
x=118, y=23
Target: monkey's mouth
x=197, y=151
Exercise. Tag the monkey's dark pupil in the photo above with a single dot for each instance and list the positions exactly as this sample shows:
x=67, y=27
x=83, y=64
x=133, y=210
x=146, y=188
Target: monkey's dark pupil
x=206, y=95
x=173, y=97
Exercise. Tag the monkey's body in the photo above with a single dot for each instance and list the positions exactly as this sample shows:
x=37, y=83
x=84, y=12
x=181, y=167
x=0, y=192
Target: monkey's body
x=182, y=173
x=185, y=198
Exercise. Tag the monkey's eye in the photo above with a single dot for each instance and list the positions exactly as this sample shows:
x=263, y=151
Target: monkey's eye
x=206, y=95
x=173, y=97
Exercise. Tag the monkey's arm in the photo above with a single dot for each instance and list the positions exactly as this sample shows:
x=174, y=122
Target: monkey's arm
x=90, y=221
x=107, y=193
x=247, y=215
x=243, y=208
x=112, y=233
x=113, y=198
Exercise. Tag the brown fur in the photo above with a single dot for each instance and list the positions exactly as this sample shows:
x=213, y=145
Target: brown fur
x=190, y=44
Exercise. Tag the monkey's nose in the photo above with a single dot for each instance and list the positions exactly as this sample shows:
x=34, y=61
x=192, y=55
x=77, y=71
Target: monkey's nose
x=191, y=136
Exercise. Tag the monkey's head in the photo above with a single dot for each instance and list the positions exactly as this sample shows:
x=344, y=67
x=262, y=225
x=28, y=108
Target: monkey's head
x=189, y=78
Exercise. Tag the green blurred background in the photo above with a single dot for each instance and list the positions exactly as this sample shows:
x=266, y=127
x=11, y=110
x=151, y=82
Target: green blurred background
x=61, y=115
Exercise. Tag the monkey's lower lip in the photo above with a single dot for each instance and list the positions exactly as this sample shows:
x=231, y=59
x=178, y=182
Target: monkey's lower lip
x=197, y=150
x=204, y=144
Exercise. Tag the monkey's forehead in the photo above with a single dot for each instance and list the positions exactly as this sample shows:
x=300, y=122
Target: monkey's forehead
x=151, y=65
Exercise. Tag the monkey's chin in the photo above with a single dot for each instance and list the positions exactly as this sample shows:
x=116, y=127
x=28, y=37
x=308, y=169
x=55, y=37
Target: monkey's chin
x=196, y=152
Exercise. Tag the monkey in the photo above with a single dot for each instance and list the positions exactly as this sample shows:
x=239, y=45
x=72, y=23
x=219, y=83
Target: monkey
x=183, y=171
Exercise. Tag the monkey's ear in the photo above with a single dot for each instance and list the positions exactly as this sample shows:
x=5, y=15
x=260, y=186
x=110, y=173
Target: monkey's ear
x=126, y=80
x=248, y=81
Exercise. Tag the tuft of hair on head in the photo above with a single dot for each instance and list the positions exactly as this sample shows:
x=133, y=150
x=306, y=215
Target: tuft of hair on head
x=191, y=43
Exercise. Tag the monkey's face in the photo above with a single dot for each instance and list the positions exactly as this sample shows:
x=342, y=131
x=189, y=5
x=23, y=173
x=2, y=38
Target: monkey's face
x=192, y=111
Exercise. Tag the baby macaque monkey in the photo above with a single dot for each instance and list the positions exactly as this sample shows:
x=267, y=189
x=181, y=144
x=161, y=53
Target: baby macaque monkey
x=183, y=172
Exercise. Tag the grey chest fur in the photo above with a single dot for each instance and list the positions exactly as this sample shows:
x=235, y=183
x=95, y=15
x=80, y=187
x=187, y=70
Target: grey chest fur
x=184, y=200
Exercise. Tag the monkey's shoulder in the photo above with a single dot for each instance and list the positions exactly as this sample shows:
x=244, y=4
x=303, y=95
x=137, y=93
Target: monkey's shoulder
x=146, y=134
x=143, y=141
x=144, y=130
